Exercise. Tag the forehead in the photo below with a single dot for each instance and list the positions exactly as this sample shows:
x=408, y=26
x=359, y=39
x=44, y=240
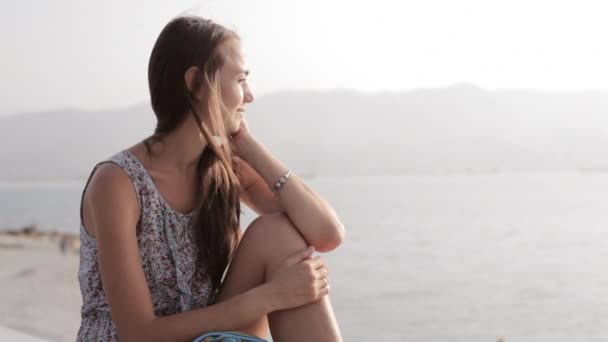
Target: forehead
x=234, y=57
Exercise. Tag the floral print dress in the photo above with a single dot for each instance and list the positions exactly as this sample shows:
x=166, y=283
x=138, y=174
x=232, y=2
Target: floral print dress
x=167, y=251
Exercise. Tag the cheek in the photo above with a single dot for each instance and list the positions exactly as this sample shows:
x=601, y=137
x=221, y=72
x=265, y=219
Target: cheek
x=233, y=97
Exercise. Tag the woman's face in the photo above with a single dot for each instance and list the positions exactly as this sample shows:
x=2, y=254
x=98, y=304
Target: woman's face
x=234, y=87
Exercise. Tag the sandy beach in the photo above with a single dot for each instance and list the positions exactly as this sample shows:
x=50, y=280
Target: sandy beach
x=40, y=295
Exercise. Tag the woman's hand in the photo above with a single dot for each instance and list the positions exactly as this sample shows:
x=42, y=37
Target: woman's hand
x=299, y=280
x=243, y=140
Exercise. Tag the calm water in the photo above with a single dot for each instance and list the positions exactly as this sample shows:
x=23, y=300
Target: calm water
x=440, y=258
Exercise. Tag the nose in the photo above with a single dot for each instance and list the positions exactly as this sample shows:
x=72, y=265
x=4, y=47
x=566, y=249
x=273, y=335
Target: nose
x=248, y=95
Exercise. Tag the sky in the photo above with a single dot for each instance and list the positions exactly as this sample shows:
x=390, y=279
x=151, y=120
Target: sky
x=93, y=55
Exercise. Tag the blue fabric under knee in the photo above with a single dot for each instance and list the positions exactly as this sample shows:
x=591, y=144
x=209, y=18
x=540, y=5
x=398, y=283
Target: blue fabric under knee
x=227, y=336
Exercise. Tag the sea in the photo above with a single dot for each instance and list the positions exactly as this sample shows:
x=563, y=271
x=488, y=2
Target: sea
x=438, y=257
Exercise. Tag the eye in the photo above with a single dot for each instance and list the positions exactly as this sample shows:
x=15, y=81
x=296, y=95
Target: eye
x=242, y=80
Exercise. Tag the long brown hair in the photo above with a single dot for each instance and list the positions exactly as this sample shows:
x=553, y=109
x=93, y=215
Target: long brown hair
x=183, y=43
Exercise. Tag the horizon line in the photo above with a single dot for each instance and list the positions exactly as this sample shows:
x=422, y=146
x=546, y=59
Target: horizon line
x=84, y=109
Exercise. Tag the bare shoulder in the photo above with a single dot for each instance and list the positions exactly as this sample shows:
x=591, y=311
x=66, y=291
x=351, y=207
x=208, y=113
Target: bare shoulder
x=109, y=196
x=113, y=213
x=109, y=175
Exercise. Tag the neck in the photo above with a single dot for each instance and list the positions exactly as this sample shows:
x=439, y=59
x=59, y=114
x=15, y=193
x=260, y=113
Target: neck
x=180, y=150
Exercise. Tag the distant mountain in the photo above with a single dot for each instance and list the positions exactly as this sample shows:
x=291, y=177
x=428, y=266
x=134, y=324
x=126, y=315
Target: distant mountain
x=460, y=128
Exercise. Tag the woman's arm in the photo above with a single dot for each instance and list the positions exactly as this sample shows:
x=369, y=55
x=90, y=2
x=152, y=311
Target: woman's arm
x=112, y=213
x=312, y=215
x=256, y=194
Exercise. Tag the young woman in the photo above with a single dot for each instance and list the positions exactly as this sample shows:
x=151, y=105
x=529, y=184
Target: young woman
x=160, y=220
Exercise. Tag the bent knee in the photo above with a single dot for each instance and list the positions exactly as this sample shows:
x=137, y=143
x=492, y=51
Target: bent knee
x=276, y=227
x=276, y=235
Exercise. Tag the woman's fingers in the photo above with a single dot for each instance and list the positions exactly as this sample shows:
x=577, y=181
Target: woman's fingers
x=298, y=256
x=322, y=283
x=321, y=278
x=316, y=262
x=321, y=272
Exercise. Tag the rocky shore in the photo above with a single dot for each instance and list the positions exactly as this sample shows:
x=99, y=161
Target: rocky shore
x=65, y=242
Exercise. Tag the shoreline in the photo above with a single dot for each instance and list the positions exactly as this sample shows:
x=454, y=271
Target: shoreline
x=20, y=237
x=40, y=291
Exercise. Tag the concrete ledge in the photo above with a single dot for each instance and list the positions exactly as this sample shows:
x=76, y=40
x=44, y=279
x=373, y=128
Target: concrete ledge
x=7, y=334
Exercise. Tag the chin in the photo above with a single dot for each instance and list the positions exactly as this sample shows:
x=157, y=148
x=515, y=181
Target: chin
x=233, y=131
x=236, y=127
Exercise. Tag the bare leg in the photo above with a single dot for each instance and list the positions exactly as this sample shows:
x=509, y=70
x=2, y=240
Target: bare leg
x=268, y=241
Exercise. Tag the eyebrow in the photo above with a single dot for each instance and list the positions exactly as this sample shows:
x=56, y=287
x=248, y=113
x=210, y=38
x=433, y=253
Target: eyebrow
x=242, y=71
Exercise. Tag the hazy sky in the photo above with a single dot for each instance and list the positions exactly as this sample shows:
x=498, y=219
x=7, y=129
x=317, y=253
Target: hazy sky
x=93, y=55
